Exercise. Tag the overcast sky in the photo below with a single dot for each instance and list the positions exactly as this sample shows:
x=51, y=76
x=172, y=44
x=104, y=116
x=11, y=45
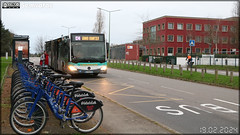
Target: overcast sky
x=45, y=19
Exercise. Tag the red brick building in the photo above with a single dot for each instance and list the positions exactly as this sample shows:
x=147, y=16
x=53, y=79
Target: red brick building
x=169, y=35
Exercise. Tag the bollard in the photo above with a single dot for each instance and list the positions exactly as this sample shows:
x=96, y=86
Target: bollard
x=144, y=66
x=160, y=65
x=231, y=76
x=216, y=74
x=172, y=69
x=195, y=69
x=179, y=66
x=166, y=65
x=181, y=71
x=205, y=70
x=150, y=66
x=226, y=72
x=190, y=71
x=202, y=73
x=156, y=68
x=132, y=64
x=187, y=68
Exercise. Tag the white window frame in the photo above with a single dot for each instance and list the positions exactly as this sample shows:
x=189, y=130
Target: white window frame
x=181, y=25
x=191, y=26
x=223, y=28
x=168, y=38
x=172, y=25
x=178, y=38
x=200, y=27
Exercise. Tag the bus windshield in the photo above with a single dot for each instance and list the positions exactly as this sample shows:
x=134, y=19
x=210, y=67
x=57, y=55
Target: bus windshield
x=88, y=51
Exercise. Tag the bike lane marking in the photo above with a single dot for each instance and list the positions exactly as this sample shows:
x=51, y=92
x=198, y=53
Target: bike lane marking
x=226, y=102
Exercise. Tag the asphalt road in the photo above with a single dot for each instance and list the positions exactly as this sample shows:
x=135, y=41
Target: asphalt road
x=185, y=107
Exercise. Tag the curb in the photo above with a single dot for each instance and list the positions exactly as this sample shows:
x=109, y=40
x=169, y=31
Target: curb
x=137, y=113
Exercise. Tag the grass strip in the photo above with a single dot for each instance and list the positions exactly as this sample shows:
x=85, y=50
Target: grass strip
x=4, y=64
x=222, y=80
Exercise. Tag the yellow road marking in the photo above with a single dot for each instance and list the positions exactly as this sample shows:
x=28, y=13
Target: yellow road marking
x=140, y=95
x=148, y=101
x=94, y=80
x=121, y=89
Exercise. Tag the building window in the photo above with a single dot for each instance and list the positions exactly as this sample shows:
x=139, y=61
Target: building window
x=162, y=51
x=170, y=26
x=147, y=30
x=198, y=27
x=188, y=38
x=158, y=51
x=224, y=28
x=233, y=29
x=163, y=38
x=147, y=51
x=170, y=38
x=215, y=28
x=153, y=33
x=198, y=39
x=179, y=50
x=233, y=40
x=206, y=39
x=207, y=27
x=224, y=51
x=233, y=51
x=150, y=52
x=170, y=50
x=180, y=26
x=224, y=40
x=189, y=26
x=179, y=38
x=159, y=26
x=155, y=51
x=163, y=26
x=206, y=50
x=188, y=50
x=198, y=50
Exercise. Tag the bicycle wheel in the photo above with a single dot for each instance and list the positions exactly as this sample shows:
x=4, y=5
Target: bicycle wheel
x=88, y=124
x=19, y=118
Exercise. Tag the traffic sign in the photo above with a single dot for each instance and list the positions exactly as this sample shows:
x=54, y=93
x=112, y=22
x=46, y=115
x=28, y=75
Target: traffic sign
x=191, y=42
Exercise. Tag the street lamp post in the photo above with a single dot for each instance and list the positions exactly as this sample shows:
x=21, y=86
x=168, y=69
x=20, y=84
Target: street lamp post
x=70, y=40
x=109, y=12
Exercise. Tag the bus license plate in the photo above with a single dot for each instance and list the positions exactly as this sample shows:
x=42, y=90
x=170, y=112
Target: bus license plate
x=88, y=71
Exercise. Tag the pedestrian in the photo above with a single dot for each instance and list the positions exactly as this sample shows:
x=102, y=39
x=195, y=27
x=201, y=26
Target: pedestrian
x=42, y=59
x=189, y=59
x=46, y=58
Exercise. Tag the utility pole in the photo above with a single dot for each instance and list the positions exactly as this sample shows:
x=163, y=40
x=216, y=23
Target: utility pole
x=109, y=12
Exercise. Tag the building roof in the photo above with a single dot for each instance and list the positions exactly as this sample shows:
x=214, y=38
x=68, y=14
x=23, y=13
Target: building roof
x=184, y=17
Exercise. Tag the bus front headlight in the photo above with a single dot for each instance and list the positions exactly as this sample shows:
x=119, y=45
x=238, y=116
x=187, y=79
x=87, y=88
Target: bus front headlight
x=104, y=68
x=72, y=68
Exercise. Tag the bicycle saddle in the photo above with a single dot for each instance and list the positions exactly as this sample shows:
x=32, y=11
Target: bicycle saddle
x=76, y=84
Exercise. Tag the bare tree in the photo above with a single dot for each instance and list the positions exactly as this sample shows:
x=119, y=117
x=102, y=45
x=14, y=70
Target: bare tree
x=39, y=47
x=149, y=36
x=99, y=24
x=212, y=34
x=235, y=28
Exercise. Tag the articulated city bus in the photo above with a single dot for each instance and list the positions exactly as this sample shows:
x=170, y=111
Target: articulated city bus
x=82, y=53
